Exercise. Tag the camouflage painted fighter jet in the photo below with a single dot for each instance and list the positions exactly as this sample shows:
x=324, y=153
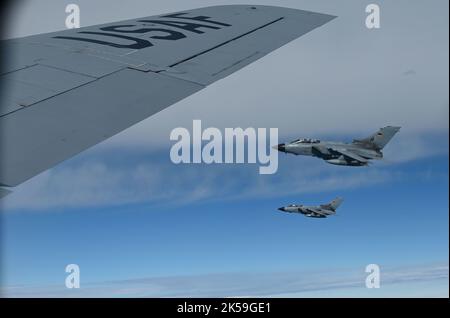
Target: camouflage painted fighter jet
x=357, y=153
x=321, y=211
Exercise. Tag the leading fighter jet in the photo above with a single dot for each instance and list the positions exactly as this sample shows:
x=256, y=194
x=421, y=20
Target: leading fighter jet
x=357, y=153
x=321, y=211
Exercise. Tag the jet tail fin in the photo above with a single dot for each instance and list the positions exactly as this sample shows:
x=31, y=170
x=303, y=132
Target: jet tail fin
x=380, y=139
x=333, y=205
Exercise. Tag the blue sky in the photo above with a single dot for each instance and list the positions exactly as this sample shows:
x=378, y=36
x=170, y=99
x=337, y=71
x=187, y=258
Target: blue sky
x=397, y=219
x=138, y=225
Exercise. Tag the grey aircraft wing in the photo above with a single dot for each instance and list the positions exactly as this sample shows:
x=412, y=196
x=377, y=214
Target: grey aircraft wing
x=316, y=211
x=66, y=91
x=349, y=154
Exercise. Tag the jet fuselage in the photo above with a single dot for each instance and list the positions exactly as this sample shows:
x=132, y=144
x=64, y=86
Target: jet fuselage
x=357, y=153
x=321, y=149
x=306, y=211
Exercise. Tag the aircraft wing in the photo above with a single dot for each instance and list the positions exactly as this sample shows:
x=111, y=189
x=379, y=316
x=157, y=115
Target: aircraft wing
x=349, y=154
x=66, y=91
x=316, y=211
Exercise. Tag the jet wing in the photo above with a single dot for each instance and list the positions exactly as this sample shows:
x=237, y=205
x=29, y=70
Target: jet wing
x=66, y=91
x=316, y=211
x=349, y=154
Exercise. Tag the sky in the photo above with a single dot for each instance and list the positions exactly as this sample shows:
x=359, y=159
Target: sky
x=138, y=225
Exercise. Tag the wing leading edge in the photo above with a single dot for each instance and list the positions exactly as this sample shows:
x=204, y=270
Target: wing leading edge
x=66, y=91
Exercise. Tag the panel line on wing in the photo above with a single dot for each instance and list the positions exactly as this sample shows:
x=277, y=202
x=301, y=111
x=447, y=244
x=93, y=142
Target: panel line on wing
x=92, y=79
x=226, y=42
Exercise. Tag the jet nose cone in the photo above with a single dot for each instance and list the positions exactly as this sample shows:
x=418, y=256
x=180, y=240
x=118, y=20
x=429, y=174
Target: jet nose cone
x=282, y=209
x=280, y=147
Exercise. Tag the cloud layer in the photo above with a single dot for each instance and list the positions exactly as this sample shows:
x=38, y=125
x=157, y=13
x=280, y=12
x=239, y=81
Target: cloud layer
x=99, y=178
x=347, y=282
x=95, y=183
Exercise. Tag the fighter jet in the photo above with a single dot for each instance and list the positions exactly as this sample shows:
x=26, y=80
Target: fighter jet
x=321, y=211
x=357, y=153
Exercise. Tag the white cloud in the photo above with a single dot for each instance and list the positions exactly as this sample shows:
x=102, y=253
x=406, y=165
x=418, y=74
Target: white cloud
x=98, y=182
x=406, y=147
x=329, y=283
x=95, y=178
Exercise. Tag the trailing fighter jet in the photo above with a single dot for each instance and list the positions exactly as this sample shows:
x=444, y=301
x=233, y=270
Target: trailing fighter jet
x=357, y=153
x=321, y=211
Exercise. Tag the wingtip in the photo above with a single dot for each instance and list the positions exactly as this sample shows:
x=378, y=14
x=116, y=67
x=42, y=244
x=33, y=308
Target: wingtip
x=332, y=17
x=325, y=17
